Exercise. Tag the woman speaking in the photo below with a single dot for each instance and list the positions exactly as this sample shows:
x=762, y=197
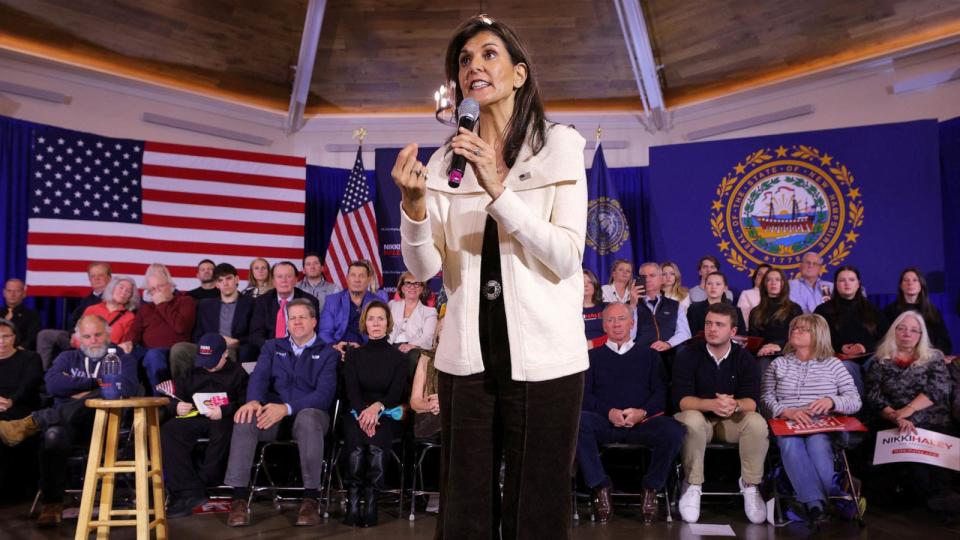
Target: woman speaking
x=509, y=240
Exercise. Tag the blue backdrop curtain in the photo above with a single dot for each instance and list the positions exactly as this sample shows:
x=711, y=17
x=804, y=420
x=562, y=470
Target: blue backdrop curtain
x=325, y=187
x=15, y=140
x=630, y=184
x=950, y=194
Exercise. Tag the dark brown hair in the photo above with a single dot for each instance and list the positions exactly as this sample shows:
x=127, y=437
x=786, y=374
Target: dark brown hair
x=597, y=298
x=771, y=310
x=867, y=313
x=528, y=110
x=927, y=309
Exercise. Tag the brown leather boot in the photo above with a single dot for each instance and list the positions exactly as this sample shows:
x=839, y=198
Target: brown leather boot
x=50, y=516
x=650, y=505
x=239, y=513
x=308, y=515
x=602, y=506
x=14, y=432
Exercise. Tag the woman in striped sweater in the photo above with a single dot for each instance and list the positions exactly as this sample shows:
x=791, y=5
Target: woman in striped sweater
x=804, y=383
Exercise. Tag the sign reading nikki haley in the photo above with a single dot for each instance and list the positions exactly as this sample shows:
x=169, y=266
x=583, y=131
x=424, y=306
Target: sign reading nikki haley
x=867, y=196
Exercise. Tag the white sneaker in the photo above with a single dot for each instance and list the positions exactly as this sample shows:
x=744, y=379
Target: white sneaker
x=690, y=502
x=753, y=504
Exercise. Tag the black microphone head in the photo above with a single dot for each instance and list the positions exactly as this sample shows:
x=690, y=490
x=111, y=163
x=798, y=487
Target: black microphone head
x=469, y=108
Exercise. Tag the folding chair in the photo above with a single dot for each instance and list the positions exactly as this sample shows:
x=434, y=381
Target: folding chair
x=424, y=446
x=629, y=447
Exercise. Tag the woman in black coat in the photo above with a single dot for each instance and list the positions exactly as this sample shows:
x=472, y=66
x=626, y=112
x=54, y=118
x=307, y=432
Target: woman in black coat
x=375, y=379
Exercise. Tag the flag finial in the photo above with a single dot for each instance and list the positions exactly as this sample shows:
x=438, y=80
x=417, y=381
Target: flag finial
x=359, y=134
x=599, y=133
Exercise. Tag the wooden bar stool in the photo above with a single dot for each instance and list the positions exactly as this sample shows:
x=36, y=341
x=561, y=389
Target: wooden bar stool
x=147, y=465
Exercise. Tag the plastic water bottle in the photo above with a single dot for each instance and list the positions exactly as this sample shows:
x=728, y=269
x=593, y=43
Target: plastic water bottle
x=110, y=375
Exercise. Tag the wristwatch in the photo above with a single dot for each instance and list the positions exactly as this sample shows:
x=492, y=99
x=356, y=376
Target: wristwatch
x=737, y=408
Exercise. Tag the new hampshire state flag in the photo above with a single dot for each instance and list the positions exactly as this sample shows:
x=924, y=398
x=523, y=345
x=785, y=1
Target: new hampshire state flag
x=608, y=232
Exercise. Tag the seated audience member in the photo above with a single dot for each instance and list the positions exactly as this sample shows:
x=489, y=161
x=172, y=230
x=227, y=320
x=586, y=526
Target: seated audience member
x=118, y=308
x=913, y=294
x=707, y=265
x=425, y=401
x=661, y=322
x=227, y=315
x=313, y=281
x=212, y=373
x=715, y=286
x=27, y=320
x=809, y=291
x=856, y=325
x=593, y=305
x=208, y=284
x=909, y=387
x=159, y=324
x=805, y=383
x=771, y=318
x=290, y=392
x=259, y=279
x=375, y=379
x=423, y=391
x=673, y=286
x=621, y=287
x=624, y=398
x=750, y=298
x=716, y=389
x=340, y=319
x=413, y=321
x=73, y=378
x=269, y=314
x=20, y=378
x=53, y=341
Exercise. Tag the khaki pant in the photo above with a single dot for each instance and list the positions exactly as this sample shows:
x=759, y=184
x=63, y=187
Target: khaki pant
x=748, y=429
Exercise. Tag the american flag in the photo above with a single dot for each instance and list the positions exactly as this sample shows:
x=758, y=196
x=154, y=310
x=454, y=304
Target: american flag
x=132, y=203
x=167, y=388
x=355, y=232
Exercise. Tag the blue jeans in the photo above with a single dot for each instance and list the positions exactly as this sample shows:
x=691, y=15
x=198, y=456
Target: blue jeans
x=662, y=434
x=156, y=362
x=856, y=372
x=808, y=460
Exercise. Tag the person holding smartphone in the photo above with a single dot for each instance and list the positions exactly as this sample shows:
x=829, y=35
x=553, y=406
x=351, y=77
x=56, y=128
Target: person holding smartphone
x=661, y=322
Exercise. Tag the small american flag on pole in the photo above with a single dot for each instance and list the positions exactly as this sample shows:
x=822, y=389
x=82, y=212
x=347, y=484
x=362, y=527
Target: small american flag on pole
x=355, y=231
x=132, y=203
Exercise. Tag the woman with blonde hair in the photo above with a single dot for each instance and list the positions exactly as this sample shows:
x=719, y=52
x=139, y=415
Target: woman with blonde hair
x=621, y=286
x=909, y=387
x=805, y=383
x=673, y=286
x=259, y=280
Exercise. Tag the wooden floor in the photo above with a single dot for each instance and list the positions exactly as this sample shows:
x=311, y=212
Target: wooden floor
x=269, y=525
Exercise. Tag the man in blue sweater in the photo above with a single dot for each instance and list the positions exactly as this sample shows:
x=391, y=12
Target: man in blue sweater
x=73, y=378
x=623, y=402
x=340, y=318
x=292, y=388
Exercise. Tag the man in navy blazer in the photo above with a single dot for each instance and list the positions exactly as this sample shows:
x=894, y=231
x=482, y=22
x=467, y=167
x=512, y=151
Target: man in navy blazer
x=340, y=319
x=263, y=324
x=228, y=315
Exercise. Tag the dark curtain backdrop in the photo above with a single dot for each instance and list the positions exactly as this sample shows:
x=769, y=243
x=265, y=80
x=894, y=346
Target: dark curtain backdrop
x=950, y=193
x=325, y=187
x=631, y=186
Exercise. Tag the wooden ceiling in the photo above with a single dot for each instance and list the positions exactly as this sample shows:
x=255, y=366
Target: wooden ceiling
x=386, y=55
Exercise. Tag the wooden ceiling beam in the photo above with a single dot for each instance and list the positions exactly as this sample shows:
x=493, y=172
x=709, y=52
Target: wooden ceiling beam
x=640, y=50
x=304, y=70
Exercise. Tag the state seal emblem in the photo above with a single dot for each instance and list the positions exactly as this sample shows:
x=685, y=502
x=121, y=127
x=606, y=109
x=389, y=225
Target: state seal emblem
x=779, y=204
x=607, y=227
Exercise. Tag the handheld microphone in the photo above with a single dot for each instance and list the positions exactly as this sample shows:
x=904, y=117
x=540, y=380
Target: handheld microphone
x=468, y=113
